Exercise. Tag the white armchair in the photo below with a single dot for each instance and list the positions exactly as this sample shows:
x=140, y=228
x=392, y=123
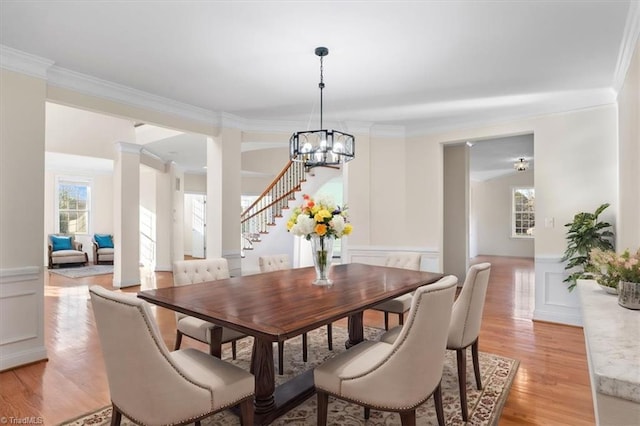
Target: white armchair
x=153, y=386
x=64, y=249
x=103, y=249
x=396, y=376
x=401, y=304
x=198, y=271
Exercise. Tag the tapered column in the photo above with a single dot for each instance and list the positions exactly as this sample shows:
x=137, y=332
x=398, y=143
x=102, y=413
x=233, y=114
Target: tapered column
x=126, y=217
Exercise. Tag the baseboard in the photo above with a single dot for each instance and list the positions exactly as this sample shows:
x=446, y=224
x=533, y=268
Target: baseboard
x=564, y=318
x=126, y=283
x=163, y=268
x=19, y=359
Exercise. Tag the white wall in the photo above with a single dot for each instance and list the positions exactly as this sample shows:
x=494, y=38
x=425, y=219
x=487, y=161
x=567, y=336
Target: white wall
x=628, y=226
x=492, y=209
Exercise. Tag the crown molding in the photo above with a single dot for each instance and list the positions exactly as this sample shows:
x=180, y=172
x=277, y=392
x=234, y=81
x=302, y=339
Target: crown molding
x=628, y=45
x=88, y=85
x=24, y=63
x=543, y=104
x=127, y=147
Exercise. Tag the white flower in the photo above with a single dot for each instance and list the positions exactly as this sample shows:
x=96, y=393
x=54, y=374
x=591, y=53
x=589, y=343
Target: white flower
x=326, y=201
x=337, y=223
x=321, y=217
x=304, y=225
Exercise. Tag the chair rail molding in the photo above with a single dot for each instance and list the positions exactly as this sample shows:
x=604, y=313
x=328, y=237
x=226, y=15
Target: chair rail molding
x=376, y=255
x=553, y=302
x=22, y=300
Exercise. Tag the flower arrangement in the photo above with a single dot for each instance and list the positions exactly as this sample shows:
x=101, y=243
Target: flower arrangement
x=611, y=268
x=320, y=217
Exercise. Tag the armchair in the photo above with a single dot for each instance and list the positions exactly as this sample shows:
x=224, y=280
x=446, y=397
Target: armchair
x=64, y=249
x=102, y=248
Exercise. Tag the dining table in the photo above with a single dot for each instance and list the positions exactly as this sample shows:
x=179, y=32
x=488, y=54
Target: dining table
x=276, y=306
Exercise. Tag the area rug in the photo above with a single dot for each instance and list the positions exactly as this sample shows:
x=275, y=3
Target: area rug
x=83, y=271
x=485, y=406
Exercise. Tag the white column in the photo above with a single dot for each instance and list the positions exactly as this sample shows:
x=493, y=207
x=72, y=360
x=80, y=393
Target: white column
x=176, y=183
x=214, y=197
x=126, y=217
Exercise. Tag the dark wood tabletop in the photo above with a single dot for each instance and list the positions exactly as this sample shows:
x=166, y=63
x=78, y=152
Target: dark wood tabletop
x=276, y=306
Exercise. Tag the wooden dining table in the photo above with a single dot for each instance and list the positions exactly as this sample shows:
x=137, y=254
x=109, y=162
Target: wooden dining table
x=276, y=306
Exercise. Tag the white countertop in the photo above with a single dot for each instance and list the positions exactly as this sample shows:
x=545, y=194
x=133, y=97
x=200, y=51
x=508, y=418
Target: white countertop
x=612, y=335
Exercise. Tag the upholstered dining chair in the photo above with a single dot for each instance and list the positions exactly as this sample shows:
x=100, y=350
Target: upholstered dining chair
x=277, y=262
x=197, y=271
x=401, y=304
x=396, y=376
x=464, y=328
x=153, y=386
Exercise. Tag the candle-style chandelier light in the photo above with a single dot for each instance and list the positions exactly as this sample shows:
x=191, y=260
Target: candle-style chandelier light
x=321, y=147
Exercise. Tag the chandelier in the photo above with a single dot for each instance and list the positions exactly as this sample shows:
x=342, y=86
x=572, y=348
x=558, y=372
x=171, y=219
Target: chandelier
x=521, y=165
x=321, y=147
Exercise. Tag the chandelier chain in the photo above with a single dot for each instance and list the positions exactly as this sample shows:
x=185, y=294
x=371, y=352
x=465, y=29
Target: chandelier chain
x=321, y=86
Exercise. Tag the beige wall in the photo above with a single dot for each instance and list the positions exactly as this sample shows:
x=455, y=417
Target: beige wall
x=628, y=229
x=22, y=172
x=22, y=130
x=455, y=205
x=492, y=214
x=91, y=135
x=576, y=170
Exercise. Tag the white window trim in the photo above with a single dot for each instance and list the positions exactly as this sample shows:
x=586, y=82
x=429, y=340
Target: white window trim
x=78, y=179
x=513, y=214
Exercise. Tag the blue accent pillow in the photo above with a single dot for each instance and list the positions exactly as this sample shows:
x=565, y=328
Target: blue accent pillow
x=103, y=240
x=60, y=243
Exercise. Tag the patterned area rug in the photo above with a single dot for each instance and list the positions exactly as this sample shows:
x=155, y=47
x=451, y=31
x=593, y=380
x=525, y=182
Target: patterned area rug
x=83, y=271
x=485, y=406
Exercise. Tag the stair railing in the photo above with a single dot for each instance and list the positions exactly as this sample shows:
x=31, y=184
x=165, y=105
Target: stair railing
x=256, y=219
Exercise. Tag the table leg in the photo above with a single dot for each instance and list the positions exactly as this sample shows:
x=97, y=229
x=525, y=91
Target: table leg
x=263, y=369
x=356, y=330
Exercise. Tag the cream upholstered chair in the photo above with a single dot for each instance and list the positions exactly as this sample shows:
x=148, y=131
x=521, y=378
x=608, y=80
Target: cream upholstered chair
x=153, y=386
x=396, y=376
x=198, y=271
x=464, y=328
x=64, y=249
x=277, y=262
x=401, y=304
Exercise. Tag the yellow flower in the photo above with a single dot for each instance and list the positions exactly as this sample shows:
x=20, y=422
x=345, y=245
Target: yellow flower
x=321, y=229
x=347, y=229
x=322, y=215
x=315, y=209
x=290, y=224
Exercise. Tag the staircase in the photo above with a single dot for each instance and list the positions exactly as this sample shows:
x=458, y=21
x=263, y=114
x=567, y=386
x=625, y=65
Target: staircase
x=257, y=218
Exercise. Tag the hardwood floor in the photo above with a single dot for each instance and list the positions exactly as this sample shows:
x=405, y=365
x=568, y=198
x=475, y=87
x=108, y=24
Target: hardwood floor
x=551, y=387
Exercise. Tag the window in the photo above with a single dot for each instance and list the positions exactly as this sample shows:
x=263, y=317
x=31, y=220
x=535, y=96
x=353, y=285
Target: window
x=523, y=219
x=74, y=205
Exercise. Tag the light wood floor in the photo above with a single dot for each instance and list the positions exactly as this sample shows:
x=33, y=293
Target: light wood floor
x=551, y=387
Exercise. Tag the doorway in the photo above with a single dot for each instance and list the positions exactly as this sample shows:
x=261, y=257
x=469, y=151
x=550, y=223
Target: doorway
x=195, y=226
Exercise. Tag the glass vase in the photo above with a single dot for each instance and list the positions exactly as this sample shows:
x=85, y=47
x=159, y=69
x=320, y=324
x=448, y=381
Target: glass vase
x=629, y=295
x=322, y=251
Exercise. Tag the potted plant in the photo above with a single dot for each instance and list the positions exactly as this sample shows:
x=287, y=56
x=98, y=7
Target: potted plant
x=585, y=233
x=619, y=271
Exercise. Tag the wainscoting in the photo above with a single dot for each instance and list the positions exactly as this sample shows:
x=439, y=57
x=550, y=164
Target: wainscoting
x=21, y=316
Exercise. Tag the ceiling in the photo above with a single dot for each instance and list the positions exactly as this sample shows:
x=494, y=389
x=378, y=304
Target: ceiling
x=421, y=65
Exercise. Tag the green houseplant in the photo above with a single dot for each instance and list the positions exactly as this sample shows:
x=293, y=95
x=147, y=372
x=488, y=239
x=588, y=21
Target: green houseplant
x=585, y=233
